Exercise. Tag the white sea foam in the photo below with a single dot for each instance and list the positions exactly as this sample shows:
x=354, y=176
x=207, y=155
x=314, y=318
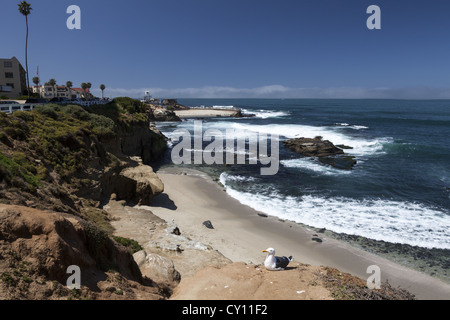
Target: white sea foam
x=356, y=127
x=361, y=146
x=391, y=221
x=265, y=114
x=309, y=164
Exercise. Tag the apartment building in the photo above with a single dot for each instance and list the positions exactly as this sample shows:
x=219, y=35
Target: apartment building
x=12, y=78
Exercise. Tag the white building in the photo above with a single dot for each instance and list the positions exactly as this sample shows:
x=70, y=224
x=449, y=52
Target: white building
x=50, y=92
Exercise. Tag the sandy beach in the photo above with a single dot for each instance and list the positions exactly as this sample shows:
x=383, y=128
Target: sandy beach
x=205, y=113
x=241, y=234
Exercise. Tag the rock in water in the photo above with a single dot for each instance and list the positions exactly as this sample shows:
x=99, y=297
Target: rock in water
x=313, y=147
x=324, y=150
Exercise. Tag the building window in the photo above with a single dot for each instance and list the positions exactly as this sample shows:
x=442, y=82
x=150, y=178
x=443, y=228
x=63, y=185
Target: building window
x=11, y=85
x=9, y=75
x=7, y=64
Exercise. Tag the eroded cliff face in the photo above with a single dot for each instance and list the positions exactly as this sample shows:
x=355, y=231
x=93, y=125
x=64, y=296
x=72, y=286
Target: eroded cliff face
x=58, y=166
x=55, y=161
x=37, y=247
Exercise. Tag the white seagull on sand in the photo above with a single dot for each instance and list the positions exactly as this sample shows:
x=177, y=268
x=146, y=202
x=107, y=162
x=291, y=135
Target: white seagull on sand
x=275, y=263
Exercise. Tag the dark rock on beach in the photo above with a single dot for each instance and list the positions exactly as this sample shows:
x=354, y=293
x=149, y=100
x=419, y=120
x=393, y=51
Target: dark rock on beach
x=208, y=224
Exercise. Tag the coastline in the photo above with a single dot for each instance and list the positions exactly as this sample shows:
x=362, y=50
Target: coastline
x=240, y=234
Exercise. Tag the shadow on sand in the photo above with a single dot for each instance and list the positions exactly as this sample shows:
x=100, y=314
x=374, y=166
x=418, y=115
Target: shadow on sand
x=163, y=201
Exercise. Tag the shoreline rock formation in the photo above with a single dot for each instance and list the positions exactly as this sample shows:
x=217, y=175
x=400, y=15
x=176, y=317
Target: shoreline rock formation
x=324, y=150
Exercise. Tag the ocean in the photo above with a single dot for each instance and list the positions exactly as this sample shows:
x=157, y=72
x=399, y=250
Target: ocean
x=395, y=202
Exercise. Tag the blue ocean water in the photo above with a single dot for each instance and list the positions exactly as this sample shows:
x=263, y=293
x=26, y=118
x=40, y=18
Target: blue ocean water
x=397, y=194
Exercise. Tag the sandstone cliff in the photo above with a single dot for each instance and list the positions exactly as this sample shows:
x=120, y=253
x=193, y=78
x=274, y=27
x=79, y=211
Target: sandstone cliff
x=37, y=247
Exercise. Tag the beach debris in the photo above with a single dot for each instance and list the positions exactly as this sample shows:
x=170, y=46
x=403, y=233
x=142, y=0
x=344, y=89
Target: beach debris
x=262, y=215
x=316, y=239
x=274, y=263
x=208, y=224
x=301, y=291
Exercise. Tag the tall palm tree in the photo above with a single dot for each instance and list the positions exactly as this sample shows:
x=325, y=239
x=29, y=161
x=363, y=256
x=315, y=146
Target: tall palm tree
x=84, y=87
x=52, y=82
x=69, y=85
x=25, y=9
x=89, y=86
x=102, y=87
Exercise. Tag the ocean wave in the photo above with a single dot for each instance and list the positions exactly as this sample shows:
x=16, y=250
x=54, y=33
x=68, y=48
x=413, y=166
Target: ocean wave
x=361, y=146
x=356, y=127
x=378, y=219
x=265, y=114
x=309, y=164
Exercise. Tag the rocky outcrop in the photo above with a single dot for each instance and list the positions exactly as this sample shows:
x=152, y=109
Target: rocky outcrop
x=239, y=281
x=324, y=150
x=164, y=239
x=157, y=268
x=161, y=114
x=240, y=114
x=138, y=139
x=138, y=185
x=37, y=247
x=316, y=147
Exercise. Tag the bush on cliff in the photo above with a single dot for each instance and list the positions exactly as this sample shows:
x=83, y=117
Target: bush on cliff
x=123, y=111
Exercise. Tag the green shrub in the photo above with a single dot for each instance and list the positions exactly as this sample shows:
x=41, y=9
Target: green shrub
x=12, y=169
x=49, y=110
x=132, y=245
x=130, y=105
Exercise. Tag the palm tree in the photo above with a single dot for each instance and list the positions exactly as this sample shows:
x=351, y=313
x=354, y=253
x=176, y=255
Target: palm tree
x=102, y=87
x=89, y=86
x=69, y=85
x=36, y=82
x=52, y=82
x=84, y=87
x=25, y=9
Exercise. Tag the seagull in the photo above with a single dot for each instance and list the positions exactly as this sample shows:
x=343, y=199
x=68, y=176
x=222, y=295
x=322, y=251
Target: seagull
x=275, y=263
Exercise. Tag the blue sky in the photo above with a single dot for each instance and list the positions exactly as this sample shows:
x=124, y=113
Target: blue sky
x=245, y=48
